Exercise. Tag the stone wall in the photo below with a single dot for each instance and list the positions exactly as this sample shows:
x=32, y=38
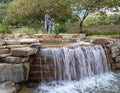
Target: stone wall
x=15, y=52
x=112, y=46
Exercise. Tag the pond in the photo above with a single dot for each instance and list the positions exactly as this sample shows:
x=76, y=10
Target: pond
x=104, y=83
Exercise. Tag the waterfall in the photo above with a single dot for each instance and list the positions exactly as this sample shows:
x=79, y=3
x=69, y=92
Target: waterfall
x=76, y=69
x=73, y=63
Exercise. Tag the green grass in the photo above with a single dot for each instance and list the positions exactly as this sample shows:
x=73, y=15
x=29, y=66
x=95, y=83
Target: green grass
x=25, y=30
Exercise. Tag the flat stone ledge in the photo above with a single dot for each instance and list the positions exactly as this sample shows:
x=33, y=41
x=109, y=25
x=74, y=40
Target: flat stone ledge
x=4, y=51
x=23, y=52
x=12, y=42
x=14, y=46
x=28, y=41
x=4, y=55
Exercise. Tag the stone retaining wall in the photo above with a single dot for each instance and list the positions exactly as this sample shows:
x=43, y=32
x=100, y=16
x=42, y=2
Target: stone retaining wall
x=15, y=52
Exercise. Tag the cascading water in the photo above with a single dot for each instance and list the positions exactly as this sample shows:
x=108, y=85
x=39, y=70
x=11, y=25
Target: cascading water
x=76, y=70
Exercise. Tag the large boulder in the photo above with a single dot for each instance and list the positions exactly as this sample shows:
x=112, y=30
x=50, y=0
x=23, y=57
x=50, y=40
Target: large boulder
x=14, y=72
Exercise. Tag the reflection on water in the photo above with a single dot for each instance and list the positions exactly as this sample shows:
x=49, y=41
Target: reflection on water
x=105, y=83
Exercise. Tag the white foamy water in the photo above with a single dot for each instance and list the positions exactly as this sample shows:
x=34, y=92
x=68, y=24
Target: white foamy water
x=78, y=70
x=103, y=83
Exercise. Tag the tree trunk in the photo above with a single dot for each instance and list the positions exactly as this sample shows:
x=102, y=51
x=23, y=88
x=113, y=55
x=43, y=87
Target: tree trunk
x=84, y=17
x=81, y=25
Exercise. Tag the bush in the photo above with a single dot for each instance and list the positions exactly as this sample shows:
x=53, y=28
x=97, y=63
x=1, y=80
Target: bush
x=4, y=28
x=24, y=30
x=62, y=29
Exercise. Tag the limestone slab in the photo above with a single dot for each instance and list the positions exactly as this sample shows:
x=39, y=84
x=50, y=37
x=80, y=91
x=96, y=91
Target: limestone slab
x=14, y=46
x=4, y=51
x=4, y=55
x=12, y=42
x=14, y=72
x=29, y=41
x=23, y=51
x=2, y=47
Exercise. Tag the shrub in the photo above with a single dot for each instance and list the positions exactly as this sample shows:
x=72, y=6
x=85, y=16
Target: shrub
x=62, y=29
x=4, y=28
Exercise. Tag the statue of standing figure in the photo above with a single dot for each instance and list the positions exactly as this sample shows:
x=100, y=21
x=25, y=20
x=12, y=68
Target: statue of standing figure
x=49, y=23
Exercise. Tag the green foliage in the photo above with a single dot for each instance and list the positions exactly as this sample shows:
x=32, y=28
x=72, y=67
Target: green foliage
x=62, y=29
x=30, y=12
x=24, y=30
x=102, y=20
x=5, y=1
x=4, y=28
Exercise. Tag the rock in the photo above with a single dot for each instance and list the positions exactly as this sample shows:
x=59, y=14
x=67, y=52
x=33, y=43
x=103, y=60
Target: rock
x=117, y=59
x=35, y=45
x=14, y=72
x=23, y=51
x=114, y=55
x=114, y=49
x=29, y=41
x=12, y=59
x=4, y=51
x=12, y=42
x=7, y=87
x=116, y=66
x=4, y=55
x=14, y=46
x=2, y=42
x=100, y=41
x=2, y=47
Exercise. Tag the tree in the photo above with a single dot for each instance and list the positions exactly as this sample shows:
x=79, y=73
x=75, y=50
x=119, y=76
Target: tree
x=28, y=12
x=85, y=7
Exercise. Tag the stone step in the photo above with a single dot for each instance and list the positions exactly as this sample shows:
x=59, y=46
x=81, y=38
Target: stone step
x=4, y=51
x=24, y=52
x=2, y=47
x=28, y=41
x=12, y=42
x=14, y=46
x=4, y=55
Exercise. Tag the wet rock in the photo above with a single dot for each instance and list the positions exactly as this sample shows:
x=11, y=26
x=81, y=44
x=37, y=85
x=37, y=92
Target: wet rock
x=23, y=51
x=7, y=87
x=14, y=72
x=116, y=66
